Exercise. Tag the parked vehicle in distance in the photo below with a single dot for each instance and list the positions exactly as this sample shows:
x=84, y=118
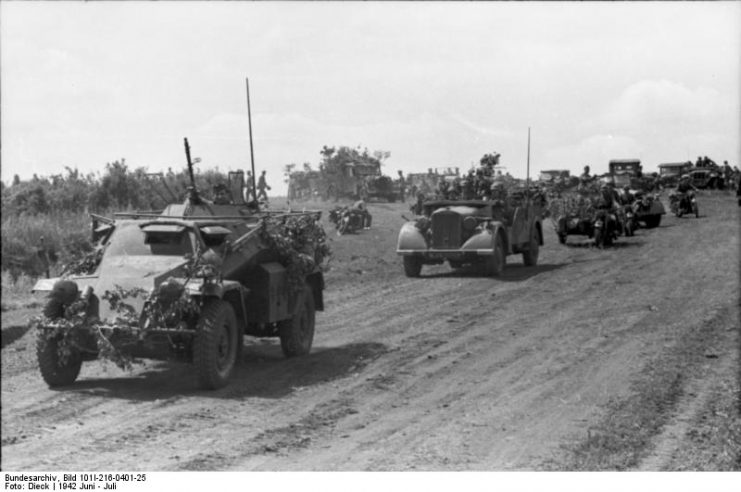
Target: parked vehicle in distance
x=670, y=172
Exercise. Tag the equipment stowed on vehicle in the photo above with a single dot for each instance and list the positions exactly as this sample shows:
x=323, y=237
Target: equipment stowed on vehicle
x=186, y=282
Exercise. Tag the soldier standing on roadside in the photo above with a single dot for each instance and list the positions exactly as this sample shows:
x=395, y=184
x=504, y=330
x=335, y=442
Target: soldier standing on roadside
x=585, y=178
x=402, y=186
x=262, y=186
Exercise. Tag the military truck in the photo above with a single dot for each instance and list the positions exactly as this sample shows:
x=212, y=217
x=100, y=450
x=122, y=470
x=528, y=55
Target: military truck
x=707, y=178
x=379, y=187
x=473, y=232
x=186, y=282
x=630, y=172
x=670, y=172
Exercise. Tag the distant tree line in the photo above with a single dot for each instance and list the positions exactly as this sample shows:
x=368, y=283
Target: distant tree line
x=116, y=188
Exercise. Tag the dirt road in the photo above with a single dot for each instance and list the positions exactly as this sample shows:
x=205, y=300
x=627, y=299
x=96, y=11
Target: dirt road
x=452, y=371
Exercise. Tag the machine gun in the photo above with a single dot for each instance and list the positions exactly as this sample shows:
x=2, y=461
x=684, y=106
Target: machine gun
x=195, y=199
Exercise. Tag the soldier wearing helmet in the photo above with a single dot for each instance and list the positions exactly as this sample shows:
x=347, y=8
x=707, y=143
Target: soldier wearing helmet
x=626, y=197
x=417, y=207
x=685, y=184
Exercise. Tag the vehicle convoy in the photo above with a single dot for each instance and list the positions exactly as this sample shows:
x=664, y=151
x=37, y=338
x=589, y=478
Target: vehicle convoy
x=186, y=282
x=474, y=232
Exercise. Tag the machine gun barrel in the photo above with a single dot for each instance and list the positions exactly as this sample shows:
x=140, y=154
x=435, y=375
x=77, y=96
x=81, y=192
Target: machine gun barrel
x=192, y=191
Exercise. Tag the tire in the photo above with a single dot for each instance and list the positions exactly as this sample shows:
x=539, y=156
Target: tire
x=530, y=257
x=653, y=221
x=412, y=266
x=215, y=345
x=55, y=372
x=494, y=264
x=297, y=334
x=562, y=238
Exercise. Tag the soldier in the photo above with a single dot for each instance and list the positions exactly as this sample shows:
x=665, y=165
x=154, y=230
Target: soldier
x=443, y=189
x=609, y=198
x=262, y=186
x=417, y=208
x=221, y=194
x=248, y=188
x=402, y=186
x=626, y=197
x=685, y=184
x=585, y=178
x=468, y=186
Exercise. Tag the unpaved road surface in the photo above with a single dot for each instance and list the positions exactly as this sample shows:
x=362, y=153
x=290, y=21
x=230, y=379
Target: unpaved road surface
x=452, y=371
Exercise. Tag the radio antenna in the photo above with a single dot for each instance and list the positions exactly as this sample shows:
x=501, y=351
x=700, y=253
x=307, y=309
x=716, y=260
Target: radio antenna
x=252, y=153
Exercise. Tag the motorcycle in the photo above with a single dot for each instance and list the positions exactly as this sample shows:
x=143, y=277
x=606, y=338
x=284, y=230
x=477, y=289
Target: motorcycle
x=347, y=220
x=606, y=228
x=630, y=223
x=684, y=203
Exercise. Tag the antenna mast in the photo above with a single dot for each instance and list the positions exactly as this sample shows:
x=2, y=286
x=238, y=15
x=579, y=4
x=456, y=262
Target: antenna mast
x=528, y=163
x=252, y=153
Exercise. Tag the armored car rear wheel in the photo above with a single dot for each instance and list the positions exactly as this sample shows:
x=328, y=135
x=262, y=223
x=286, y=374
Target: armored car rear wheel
x=297, y=334
x=530, y=257
x=215, y=344
x=58, y=367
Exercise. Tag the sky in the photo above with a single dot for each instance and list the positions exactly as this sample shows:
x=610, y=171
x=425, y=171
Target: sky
x=435, y=84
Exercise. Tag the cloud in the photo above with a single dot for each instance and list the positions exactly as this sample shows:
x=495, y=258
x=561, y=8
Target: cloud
x=661, y=103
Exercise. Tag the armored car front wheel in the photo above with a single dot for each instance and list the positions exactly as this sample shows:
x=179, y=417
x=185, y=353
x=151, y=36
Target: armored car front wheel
x=215, y=344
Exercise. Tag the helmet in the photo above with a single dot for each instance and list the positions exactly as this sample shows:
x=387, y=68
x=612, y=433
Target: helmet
x=685, y=176
x=626, y=187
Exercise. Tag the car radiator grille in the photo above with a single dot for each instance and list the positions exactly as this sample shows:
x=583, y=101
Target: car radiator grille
x=446, y=230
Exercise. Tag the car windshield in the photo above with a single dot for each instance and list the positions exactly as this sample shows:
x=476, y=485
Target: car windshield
x=670, y=171
x=129, y=240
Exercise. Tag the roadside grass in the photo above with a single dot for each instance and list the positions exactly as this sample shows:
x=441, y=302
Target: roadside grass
x=16, y=294
x=623, y=438
x=65, y=236
x=715, y=439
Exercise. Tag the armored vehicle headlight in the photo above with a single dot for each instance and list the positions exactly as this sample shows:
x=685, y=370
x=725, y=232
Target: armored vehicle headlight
x=170, y=290
x=470, y=223
x=64, y=291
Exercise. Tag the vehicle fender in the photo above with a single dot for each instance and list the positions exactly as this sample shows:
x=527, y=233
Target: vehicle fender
x=485, y=238
x=410, y=238
x=229, y=290
x=657, y=208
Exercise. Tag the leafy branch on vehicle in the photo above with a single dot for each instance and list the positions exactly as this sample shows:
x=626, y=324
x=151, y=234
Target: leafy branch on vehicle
x=301, y=244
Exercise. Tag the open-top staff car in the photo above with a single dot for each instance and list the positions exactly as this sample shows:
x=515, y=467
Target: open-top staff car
x=474, y=232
